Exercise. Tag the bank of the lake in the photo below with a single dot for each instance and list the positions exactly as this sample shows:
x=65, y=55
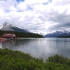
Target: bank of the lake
x=16, y=60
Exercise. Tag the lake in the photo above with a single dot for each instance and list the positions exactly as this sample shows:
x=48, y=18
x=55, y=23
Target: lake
x=40, y=47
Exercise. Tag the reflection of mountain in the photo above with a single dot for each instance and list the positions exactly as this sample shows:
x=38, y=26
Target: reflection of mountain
x=59, y=34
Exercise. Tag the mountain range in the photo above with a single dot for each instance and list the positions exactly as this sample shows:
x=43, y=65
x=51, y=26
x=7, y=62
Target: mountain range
x=19, y=32
x=58, y=34
x=9, y=27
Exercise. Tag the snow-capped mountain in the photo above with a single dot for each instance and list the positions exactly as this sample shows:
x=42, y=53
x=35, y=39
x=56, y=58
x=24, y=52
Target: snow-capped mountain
x=9, y=27
x=58, y=33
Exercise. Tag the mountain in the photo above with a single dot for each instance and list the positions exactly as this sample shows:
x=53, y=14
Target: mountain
x=20, y=33
x=58, y=34
x=8, y=27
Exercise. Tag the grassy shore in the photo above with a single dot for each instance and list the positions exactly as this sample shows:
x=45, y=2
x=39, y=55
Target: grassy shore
x=16, y=60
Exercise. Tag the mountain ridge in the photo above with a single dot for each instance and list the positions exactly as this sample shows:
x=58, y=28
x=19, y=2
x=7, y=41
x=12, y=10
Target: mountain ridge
x=58, y=34
x=20, y=33
x=10, y=27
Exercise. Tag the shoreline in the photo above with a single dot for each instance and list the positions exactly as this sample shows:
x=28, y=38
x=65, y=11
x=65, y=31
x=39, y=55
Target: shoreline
x=16, y=60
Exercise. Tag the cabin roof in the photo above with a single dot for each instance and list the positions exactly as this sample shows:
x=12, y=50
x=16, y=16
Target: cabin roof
x=8, y=35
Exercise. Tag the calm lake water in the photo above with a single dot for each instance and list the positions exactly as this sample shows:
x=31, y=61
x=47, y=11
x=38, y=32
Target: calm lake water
x=40, y=47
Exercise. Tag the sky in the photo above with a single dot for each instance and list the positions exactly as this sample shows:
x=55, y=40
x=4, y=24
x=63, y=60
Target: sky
x=39, y=16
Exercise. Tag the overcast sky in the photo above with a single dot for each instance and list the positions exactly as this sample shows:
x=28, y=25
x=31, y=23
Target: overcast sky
x=40, y=16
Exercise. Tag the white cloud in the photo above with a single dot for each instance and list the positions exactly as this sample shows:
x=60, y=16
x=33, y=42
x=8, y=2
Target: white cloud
x=22, y=6
x=36, y=15
x=12, y=8
x=35, y=1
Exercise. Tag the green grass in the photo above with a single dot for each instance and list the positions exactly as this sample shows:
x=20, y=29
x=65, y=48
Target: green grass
x=16, y=60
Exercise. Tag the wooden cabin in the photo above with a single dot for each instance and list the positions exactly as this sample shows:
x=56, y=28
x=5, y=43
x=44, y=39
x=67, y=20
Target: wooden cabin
x=9, y=36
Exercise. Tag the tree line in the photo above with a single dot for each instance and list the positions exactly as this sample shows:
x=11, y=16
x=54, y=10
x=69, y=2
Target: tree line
x=22, y=34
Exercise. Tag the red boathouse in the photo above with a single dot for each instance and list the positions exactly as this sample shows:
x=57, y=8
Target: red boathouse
x=9, y=36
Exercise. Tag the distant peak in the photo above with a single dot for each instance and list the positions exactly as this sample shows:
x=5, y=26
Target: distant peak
x=6, y=25
x=10, y=27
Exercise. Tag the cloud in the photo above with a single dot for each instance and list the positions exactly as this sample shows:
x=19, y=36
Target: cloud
x=61, y=19
x=36, y=15
x=35, y=1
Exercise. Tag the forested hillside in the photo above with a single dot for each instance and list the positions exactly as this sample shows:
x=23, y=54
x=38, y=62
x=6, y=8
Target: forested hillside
x=22, y=34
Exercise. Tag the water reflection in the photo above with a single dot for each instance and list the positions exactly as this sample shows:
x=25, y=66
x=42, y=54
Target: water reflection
x=40, y=48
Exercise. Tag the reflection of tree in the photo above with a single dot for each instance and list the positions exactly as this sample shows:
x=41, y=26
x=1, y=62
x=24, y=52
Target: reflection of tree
x=8, y=44
x=23, y=41
x=0, y=45
x=11, y=44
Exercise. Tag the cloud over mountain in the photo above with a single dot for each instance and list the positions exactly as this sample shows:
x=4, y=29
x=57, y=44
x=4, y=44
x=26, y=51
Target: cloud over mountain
x=40, y=16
